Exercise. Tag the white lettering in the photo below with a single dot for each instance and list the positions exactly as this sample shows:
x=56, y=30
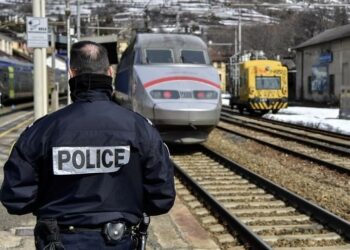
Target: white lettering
x=89, y=160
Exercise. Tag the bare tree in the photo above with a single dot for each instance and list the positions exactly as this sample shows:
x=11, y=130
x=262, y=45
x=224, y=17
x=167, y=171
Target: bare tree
x=340, y=16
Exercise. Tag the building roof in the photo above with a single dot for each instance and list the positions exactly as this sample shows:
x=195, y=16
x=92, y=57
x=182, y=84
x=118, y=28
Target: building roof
x=6, y=37
x=327, y=36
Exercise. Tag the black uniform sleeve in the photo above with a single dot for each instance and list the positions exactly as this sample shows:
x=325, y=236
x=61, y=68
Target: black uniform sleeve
x=20, y=185
x=159, y=179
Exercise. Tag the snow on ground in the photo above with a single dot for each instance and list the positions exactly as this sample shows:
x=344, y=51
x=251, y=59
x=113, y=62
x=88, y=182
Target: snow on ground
x=321, y=118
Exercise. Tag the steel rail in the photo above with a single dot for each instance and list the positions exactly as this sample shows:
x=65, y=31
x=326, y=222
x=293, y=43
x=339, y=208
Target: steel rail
x=292, y=125
x=233, y=223
x=4, y=111
x=325, y=217
x=307, y=129
x=341, y=150
x=327, y=164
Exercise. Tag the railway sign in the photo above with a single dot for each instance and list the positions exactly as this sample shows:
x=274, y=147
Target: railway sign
x=37, y=32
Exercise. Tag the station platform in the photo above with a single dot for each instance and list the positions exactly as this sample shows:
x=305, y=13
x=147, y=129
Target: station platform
x=176, y=230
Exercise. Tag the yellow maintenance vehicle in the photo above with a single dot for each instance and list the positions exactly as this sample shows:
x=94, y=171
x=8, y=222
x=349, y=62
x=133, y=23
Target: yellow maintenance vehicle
x=259, y=85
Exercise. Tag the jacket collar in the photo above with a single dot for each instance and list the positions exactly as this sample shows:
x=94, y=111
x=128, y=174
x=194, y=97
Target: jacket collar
x=90, y=87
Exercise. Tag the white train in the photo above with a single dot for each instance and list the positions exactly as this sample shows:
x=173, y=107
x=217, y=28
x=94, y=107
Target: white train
x=168, y=78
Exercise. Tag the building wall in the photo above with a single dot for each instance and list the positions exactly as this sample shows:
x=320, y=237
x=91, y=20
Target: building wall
x=9, y=45
x=322, y=70
x=6, y=45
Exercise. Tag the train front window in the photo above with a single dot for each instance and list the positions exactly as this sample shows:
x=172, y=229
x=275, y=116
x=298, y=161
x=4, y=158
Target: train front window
x=268, y=82
x=192, y=56
x=159, y=56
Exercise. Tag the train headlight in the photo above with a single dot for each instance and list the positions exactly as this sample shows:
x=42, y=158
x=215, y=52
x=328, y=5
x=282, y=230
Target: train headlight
x=205, y=94
x=165, y=94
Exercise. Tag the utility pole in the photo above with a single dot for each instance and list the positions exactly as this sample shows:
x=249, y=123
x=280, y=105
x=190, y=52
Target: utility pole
x=45, y=99
x=40, y=74
x=55, y=90
x=78, y=19
x=68, y=13
x=239, y=32
x=98, y=25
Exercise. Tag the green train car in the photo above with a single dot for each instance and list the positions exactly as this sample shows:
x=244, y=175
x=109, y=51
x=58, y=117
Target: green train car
x=17, y=78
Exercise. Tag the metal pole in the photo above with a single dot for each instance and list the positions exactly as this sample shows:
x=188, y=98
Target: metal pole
x=239, y=32
x=45, y=92
x=38, y=83
x=69, y=101
x=55, y=88
x=236, y=40
x=98, y=26
x=78, y=19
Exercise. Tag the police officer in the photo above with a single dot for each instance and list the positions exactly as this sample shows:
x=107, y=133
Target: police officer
x=90, y=170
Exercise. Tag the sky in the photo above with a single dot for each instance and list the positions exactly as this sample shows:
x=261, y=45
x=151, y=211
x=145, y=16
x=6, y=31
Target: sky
x=321, y=118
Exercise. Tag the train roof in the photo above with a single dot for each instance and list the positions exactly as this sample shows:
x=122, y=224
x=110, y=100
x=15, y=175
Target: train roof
x=273, y=63
x=152, y=40
x=6, y=61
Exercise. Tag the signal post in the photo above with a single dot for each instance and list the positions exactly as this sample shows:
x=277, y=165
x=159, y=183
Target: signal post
x=37, y=38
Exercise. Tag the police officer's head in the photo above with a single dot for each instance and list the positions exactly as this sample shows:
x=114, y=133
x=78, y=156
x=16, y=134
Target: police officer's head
x=89, y=57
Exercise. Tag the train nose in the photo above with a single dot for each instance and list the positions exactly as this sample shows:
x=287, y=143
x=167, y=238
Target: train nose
x=186, y=113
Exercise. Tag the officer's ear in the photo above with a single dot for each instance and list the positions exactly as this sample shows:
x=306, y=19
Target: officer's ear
x=110, y=71
x=72, y=73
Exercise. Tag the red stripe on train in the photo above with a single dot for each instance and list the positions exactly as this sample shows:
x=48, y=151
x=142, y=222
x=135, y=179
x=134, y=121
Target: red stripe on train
x=180, y=78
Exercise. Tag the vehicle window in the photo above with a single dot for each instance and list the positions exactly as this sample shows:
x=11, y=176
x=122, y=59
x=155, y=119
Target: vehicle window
x=268, y=83
x=159, y=56
x=191, y=56
x=138, y=56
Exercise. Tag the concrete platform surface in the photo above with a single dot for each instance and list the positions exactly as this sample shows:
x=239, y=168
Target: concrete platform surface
x=177, y=230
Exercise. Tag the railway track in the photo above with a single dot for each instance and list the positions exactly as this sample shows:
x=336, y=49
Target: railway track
x=290, y=125
x=329, y=141
x=10, y=125
x=318, y=151
x=263, y=214
x=14, y=120
x=8, y=110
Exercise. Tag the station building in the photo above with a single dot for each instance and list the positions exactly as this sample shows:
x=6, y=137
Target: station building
x=323, y=67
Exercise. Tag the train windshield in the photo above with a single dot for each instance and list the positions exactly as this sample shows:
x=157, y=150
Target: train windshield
x=268, y=82
x=159, y=56
x=192, y=56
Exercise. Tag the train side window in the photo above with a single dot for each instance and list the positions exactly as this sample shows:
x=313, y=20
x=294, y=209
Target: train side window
x=3, y=79
x=192, y=56
x=137, y=56
x=159, y=56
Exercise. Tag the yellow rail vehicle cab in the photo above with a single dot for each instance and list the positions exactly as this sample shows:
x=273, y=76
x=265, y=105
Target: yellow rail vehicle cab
x=263, y=86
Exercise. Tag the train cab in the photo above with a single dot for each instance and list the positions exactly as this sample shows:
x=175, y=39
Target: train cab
x=168, y=78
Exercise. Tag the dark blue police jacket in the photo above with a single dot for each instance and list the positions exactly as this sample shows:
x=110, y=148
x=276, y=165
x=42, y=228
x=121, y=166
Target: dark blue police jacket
x=89, y=163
